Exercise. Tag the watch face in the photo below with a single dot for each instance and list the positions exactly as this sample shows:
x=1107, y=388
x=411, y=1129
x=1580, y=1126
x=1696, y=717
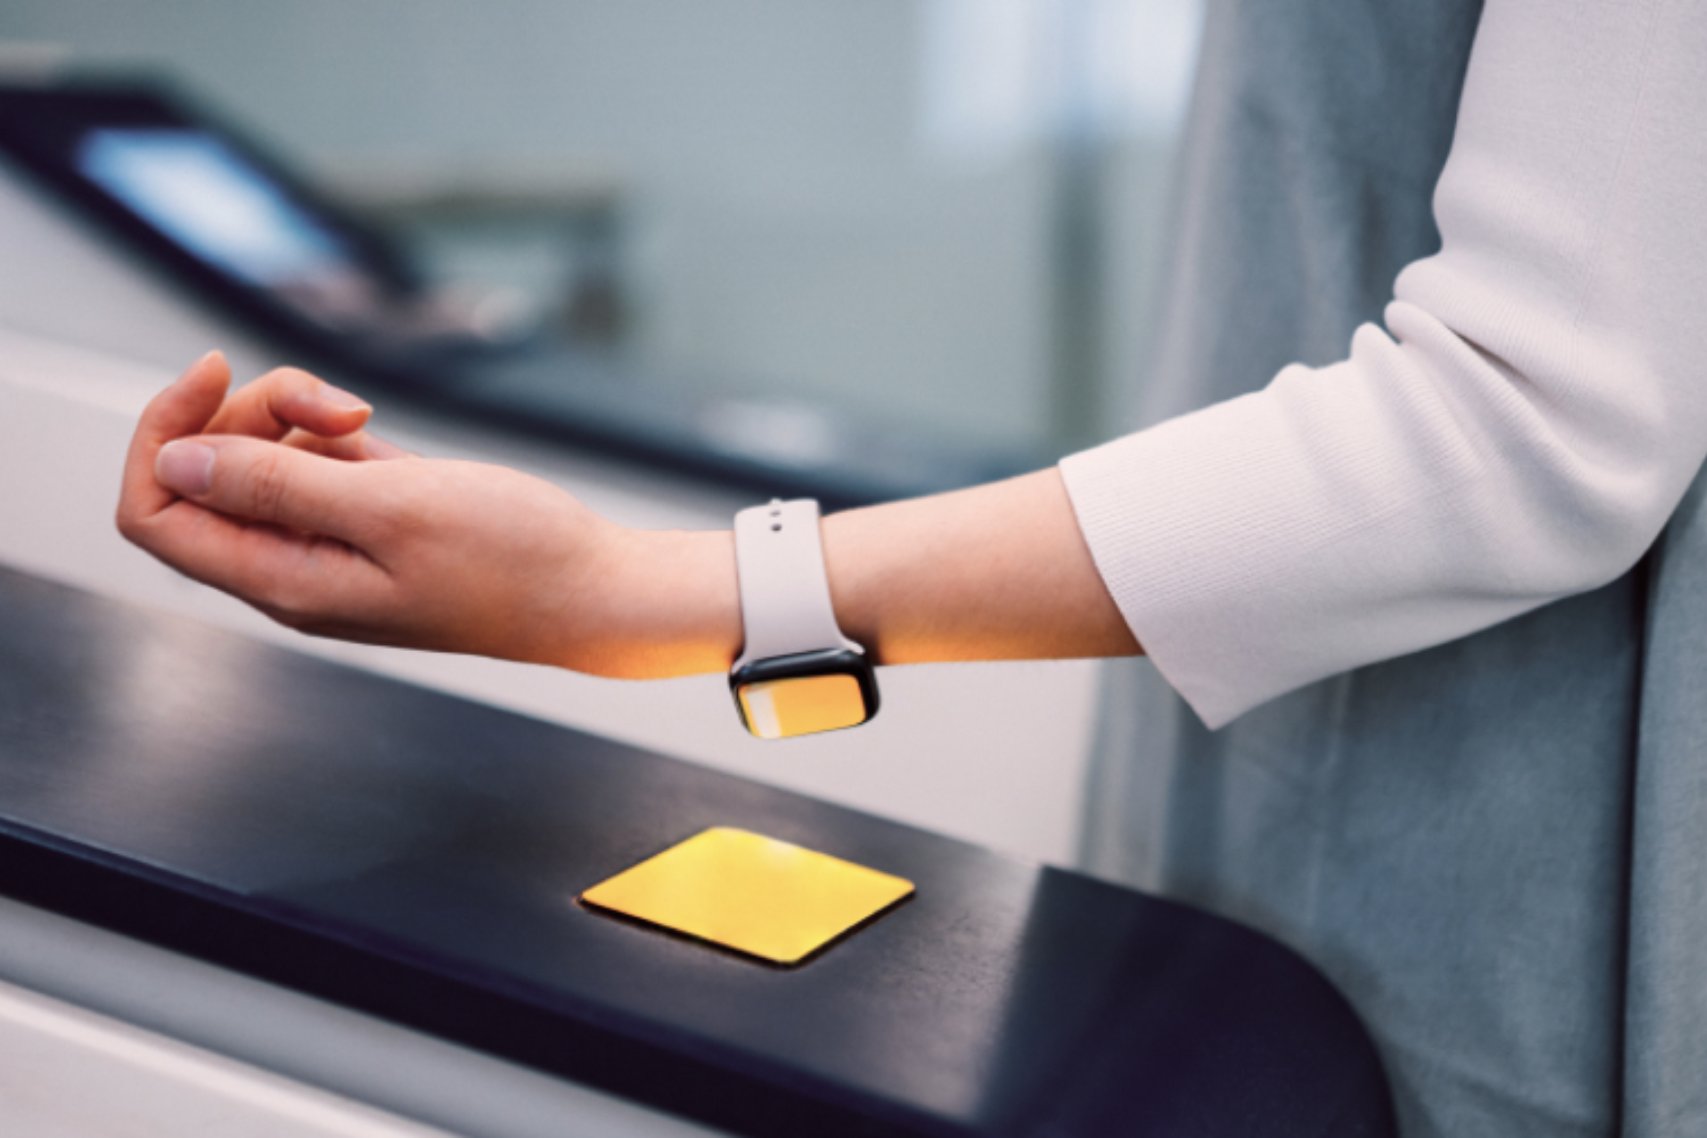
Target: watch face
x=802, y=695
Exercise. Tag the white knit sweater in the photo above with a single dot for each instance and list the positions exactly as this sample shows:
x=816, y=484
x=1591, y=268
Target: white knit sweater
x=1520, y=430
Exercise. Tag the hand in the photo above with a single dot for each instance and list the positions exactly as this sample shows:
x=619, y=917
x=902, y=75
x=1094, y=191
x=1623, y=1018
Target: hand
x=278, y=496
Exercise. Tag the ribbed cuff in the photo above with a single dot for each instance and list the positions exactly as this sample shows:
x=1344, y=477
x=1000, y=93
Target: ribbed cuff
x=1159, y=512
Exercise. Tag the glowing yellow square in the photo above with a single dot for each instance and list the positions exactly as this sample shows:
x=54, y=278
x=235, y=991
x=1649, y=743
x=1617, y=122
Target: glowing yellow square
x=802, y=705
x=767, y=898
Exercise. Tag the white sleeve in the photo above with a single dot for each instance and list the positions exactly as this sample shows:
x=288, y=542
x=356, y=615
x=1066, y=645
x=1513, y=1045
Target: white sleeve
x=1520, y=430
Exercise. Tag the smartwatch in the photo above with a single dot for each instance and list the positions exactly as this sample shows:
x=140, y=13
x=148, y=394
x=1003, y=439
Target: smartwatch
x=797, y=674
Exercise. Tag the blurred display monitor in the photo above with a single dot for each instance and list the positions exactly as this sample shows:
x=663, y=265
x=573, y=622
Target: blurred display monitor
x=219, y=212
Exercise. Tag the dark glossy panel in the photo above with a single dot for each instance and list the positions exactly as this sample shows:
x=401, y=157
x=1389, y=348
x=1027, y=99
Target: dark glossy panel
x=417, y=856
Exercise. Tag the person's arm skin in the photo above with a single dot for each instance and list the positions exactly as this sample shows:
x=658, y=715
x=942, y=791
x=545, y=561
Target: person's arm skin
x=276, y=494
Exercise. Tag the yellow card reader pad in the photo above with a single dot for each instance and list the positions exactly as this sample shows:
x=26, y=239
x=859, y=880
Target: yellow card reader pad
x=761, y=896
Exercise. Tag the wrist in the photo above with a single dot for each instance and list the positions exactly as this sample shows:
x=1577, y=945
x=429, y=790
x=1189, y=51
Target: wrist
x=667, y=604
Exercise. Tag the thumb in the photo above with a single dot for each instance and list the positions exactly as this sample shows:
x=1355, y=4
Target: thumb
x=264, y=481
x=182, y=409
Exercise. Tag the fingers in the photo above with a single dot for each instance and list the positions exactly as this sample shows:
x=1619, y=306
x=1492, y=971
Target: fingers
x=287, y=398
x=358, y=447
x=380, y=450
x=274, y=525
x=284, y=402
x=302, y=580
x=260, y=481
x=184, y=408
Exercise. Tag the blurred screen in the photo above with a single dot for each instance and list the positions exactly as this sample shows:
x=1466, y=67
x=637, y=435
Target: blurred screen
x=207, y=198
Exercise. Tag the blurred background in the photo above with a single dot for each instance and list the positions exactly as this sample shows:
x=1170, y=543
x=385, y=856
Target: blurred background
x=939, y=212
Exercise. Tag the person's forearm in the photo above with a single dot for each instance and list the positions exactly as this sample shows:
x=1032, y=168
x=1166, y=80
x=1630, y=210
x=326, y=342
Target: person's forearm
x=996, y=572
x=276, y=494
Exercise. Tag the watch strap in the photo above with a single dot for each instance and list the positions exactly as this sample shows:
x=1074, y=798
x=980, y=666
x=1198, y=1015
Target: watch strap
x=785, y=591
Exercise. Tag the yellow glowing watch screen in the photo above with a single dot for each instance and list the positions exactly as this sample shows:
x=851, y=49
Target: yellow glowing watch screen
x=802, y=705
x=767, y=898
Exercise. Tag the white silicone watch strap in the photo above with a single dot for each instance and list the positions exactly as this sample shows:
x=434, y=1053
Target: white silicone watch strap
x=785, y=593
